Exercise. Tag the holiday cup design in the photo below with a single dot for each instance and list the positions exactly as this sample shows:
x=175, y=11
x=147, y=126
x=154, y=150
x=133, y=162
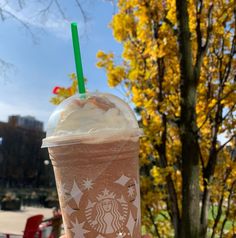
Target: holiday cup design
x=99, y=189
x=107, y=212
x=93, y=145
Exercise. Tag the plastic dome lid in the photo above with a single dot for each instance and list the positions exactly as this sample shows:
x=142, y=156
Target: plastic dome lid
x=90, y=118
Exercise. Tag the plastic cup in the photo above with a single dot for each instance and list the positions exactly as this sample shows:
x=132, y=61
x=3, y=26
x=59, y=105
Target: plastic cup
x=93, y=143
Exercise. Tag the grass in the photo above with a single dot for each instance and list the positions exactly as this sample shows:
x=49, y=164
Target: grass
x=214, y=209
x=227, y=227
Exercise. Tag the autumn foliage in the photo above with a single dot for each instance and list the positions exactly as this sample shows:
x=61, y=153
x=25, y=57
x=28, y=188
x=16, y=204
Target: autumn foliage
x=179, y=70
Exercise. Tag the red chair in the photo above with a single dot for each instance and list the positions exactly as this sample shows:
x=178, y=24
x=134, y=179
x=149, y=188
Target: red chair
x=31, y=227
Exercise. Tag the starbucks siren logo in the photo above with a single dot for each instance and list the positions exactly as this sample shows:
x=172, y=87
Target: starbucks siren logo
x=108, y=214
x=102, y=211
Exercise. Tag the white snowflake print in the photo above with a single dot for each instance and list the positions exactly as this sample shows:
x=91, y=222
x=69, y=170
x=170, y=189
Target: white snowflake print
x=88, y=184
x=122, y=180
x=62, y=191
x=131, y=191
x=76, y=193
x=69, y=210
x=78, y=229
x=131, y=223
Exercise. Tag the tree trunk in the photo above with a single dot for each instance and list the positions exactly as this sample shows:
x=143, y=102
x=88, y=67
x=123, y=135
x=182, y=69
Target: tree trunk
x=190, y=224
x=204, y=211
x=190, y=190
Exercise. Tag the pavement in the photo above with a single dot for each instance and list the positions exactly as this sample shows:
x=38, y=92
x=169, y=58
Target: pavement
x=13, y=222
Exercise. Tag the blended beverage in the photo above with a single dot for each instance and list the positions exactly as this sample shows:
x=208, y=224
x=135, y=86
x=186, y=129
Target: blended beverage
x=93, y=144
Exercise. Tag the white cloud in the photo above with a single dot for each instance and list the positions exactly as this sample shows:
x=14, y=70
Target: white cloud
x=8, y=109
x=33, y=18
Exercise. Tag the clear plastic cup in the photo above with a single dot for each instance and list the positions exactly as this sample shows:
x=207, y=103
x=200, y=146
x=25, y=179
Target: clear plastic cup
x=93, y=143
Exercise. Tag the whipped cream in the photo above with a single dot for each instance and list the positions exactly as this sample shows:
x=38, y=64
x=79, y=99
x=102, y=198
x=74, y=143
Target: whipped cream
x=91, y=115
x=91, y=118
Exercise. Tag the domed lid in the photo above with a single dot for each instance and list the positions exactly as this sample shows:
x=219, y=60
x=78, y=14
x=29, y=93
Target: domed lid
x=90, y=118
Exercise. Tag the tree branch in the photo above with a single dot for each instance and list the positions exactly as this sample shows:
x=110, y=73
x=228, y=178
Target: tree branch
x=60, y=9
x=5, y=68
x=172, y=26
x=221, y=119
x=25, y=25
x=152, y=218
x=209, y=28
x=164, y=216
x=231, y=110
x=220, y=204
x=228, y=208
x=218, y=119
x=201, y=50
x=161, y=149
x=21, y=3
x=84, y=15
x=218, y=216
x=207, y=117
x=201, y=158
x=173, y=198
x=222, y=146
x=45, y=10
x=232, y=53
x=198, y=26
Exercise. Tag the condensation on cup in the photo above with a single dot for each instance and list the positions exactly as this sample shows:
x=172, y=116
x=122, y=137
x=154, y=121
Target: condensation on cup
x=93, y=143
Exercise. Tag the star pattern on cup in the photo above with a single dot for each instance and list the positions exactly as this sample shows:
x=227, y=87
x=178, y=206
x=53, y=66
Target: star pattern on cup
x=88, y=184
x=78, y=229
x=131, y=191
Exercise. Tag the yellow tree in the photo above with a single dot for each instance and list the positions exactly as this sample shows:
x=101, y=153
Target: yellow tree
x=179, y=70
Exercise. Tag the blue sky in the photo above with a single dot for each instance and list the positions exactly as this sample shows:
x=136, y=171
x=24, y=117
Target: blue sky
x=38, y=67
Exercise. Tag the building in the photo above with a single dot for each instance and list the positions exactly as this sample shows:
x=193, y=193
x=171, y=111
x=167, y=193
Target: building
x=23, y=163
x=27, y=122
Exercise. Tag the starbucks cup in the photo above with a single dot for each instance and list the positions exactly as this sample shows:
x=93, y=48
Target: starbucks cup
x=93, y=143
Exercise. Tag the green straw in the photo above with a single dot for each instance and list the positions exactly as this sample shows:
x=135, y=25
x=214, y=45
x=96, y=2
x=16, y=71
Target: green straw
x=78, y=62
